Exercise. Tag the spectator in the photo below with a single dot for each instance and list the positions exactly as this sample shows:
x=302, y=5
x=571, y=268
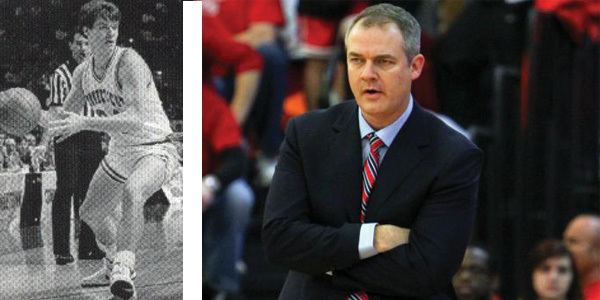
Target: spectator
x=24, y=148
x=582, y=237
x=318, y=23
x=257, y=23
x=474, y=279
x=227, y=199
x=48, y=162
x=551, y=273
x=12, y=160
x=31, y=140
x=2, y=151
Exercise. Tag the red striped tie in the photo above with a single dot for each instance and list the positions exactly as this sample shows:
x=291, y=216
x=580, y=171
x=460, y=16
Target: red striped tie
x=369, y=174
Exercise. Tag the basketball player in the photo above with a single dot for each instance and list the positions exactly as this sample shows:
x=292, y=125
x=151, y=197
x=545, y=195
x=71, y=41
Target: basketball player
x=76, y=158
x=117, y=85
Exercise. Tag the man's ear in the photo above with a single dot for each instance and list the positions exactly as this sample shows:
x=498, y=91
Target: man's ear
x=85, y=30
x=416, y=66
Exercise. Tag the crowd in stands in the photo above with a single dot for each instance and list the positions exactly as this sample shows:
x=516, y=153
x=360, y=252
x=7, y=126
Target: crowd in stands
x=271, y=60
x=24, y=154
x=567, y=268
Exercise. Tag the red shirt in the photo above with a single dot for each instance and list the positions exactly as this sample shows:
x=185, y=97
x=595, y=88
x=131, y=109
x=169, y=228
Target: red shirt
x=220, y=131
x=581, y=17
x=592, y=291
x=219, y=47
x=237, y=15
x=219, y=127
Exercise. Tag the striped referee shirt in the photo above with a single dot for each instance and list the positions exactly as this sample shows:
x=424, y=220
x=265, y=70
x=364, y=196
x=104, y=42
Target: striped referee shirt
x=60, y=85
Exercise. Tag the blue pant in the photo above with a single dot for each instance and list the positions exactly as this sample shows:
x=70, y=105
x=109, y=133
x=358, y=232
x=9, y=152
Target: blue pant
x=224, y=226
x=269, y=100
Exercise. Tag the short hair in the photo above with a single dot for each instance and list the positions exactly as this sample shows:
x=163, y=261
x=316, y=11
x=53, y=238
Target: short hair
x=544, y=250
x=73, y=31
x=97, y=9
x=385, y=13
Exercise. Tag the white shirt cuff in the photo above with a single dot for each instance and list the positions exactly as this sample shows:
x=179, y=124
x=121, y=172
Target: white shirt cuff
x=366, y=239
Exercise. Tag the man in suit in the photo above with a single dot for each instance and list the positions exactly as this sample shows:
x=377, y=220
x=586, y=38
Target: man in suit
x=373, y=198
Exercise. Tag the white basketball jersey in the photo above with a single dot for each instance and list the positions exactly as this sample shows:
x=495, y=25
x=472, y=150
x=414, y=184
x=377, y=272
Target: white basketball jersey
x=106, y=98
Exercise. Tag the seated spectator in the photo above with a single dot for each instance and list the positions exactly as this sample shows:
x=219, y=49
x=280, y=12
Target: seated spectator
x=12, y=160
x=38, y=158
x=2, y=151
x=318, y=23
x=25, y=148
x=474, y=280
x=551, y=273
x=48, y=163
x=31, y=140
x=582, y=238
x=227, y=198
x=257, y=23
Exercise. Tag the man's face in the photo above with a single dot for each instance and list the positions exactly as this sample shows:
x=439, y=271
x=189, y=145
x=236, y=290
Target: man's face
x=31, y=140
x=10, y=144
x=103, y=36
x=378, y=71
x=23, y=144
x=473, y=280
x=579, y=240
x=79, y=47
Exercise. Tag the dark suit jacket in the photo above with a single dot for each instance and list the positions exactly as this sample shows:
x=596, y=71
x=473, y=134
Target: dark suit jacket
x=427, y=182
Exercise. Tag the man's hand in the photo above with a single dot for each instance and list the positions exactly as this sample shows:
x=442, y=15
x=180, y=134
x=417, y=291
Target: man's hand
x=210, y=186
x=207, y=198
x=69, y=124
x=388, y=237
x=52, y=114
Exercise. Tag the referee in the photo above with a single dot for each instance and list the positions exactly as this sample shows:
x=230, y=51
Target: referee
x=77, y=158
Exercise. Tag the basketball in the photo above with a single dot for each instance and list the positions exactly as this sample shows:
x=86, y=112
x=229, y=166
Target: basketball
x=20, y=111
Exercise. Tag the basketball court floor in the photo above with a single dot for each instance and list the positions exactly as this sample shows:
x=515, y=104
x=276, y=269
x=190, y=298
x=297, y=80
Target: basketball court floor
x=33, y=273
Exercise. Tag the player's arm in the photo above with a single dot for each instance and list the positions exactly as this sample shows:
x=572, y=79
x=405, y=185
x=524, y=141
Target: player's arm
x=72, y=101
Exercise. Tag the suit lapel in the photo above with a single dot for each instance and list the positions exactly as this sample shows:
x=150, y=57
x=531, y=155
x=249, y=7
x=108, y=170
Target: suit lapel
x=347, y=161
x=401, y=158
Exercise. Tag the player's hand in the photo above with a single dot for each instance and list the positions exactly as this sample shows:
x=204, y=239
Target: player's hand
x=68, y=124
x=388, y=237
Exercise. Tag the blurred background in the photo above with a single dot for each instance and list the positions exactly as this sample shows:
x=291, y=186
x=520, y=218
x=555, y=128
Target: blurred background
x=519, y=78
